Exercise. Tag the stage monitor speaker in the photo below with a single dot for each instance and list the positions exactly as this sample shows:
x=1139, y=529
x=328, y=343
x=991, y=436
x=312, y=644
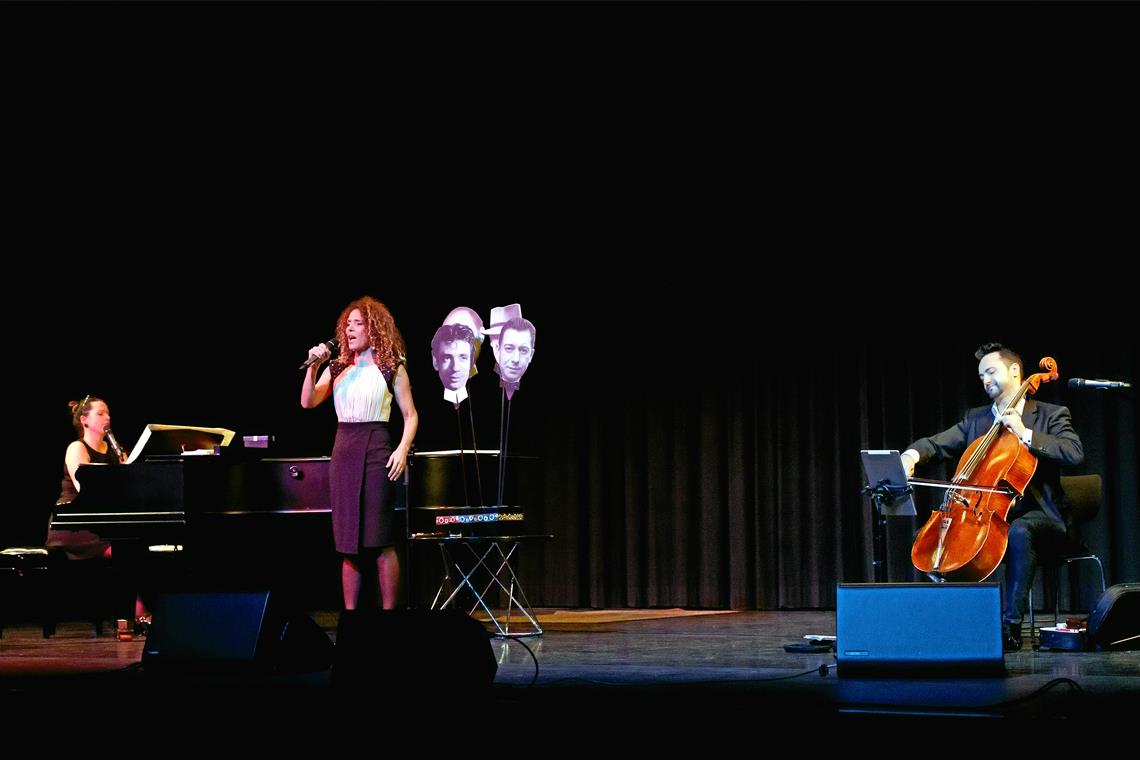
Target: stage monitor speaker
x=1114, y=622
x=919, y=629
x=253, y=631
x=415, y=650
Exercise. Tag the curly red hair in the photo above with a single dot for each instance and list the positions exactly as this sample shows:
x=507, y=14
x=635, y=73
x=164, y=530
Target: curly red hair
x=387, y=344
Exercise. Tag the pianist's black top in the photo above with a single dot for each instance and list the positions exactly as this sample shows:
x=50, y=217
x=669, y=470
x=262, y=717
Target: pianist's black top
x=79, y=544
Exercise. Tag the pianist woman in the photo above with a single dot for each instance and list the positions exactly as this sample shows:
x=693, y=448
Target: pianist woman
x=362, y=380
x=91, y=418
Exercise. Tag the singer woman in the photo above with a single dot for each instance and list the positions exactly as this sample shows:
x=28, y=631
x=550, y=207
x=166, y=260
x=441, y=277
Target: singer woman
x=363, y=380
x=92, y=421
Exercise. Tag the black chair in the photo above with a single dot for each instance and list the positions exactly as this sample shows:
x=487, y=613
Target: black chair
x=1083, y=494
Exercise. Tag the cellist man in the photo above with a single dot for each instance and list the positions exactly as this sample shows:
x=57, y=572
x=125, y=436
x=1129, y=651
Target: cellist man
x=1039, y=520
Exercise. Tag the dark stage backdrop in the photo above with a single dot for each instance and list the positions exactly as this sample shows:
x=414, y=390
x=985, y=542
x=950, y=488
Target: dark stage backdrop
x=699, y=442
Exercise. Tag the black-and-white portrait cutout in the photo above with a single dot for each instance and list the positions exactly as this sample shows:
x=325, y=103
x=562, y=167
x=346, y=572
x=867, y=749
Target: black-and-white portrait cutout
x=452, y=354
x=464, y=315
x=512, y=341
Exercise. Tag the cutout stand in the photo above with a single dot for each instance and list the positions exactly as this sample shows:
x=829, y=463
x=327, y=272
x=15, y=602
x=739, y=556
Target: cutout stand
x=481, y=565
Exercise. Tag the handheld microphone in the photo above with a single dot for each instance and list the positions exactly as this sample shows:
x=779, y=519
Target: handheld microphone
x=1080, y=382
x=331, y=343
x=113, y=444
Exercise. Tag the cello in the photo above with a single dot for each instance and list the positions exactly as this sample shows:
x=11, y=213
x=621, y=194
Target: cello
x=966, y=537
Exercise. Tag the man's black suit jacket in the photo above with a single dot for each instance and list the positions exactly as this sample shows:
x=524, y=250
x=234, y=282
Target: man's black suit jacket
x=1055, y=444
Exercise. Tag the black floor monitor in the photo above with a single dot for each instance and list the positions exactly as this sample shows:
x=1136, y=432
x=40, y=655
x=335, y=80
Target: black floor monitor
x=919, y=629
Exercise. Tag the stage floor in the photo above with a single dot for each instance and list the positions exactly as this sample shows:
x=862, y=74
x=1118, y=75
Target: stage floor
x=680, y=671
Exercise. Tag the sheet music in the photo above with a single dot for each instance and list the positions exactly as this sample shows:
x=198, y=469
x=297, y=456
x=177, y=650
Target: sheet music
x=882, y=465
x=225, y=435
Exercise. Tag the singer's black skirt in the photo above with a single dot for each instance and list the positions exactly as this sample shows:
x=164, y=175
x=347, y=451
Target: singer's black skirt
x=362, y=496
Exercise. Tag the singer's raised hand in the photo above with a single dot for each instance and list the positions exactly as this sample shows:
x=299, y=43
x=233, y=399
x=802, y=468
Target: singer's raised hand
x=319, y=353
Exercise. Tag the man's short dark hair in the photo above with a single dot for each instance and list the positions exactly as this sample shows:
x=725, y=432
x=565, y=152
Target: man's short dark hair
x=1008, y=355
x=450, y=333
x=518, y=324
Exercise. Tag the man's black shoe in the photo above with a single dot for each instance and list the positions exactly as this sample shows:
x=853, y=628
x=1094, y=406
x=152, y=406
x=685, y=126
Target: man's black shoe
x=1013, y=637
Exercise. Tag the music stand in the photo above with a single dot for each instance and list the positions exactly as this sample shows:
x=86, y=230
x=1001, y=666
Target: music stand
x=891, y=494
x=174, y=441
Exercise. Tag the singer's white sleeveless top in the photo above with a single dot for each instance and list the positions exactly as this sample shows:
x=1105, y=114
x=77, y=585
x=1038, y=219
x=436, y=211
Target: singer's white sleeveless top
x=360, y=394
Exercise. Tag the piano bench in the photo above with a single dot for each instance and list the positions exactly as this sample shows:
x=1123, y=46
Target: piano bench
x=47, y=584
x=24, y=586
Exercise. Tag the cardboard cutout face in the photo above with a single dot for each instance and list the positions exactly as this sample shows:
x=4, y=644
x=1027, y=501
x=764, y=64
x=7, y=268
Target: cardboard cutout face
x=512, y=341
x=463, y=315
x=452, y=356
x=516, y=349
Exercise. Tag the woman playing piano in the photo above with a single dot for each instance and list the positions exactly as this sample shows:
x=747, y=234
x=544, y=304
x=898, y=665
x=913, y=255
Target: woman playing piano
x=92, y=421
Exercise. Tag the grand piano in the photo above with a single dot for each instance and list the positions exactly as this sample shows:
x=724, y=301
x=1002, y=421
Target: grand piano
x=161, y=499
x=236, y=520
